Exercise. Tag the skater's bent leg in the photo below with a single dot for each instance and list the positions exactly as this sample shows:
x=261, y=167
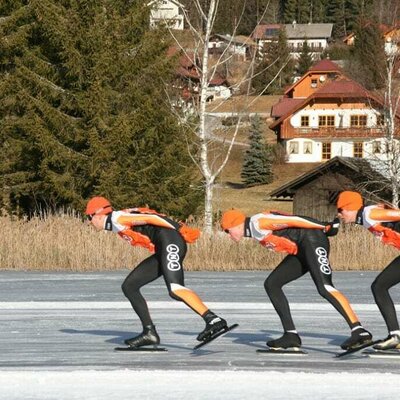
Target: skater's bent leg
x=147, y=271
x=288, y=270
x=389, y=277
x=171, y=251
x=316, y=257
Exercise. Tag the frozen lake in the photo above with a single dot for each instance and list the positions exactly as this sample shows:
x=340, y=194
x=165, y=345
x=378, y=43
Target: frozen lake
x=58, y=332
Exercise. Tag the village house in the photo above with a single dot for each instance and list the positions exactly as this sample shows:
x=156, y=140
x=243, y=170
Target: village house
x=239, y=47
x=326, y=114
x=187, y=80
x=167, y=12
x=317, y=37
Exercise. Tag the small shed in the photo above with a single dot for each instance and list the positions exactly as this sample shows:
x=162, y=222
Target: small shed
x=315, y=193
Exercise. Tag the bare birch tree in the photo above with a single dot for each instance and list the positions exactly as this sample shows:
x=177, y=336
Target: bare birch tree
x=208, y=164
x=392, y=125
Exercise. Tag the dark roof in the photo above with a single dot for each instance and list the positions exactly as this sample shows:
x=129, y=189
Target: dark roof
x=369, y=169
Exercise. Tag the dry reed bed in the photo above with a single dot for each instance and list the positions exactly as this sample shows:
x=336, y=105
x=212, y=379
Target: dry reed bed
x=64, y=242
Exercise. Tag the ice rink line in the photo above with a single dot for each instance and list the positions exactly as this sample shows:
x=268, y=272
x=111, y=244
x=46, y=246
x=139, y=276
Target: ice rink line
x=83, y=305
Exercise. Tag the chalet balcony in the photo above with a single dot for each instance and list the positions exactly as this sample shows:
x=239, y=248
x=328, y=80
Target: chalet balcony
x=350, y=132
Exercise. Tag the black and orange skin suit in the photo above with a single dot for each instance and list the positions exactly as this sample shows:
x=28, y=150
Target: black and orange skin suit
x=384, y=224
x=305, y=239
x=167, y=240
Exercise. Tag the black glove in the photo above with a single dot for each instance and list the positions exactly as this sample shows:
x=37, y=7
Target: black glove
x=332, y=228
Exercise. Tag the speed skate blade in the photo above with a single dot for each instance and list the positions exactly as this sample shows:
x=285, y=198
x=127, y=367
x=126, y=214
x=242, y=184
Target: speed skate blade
x=290, y=351
x=216, y=335
x=142, y=349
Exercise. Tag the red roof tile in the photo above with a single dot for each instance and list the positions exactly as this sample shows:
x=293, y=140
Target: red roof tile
x=325, y=66
x=342, y=87
x=284, y=106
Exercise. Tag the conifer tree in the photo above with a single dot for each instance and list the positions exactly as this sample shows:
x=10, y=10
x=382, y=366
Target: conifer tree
x=275, y=71
x=83, y=110
x=367, y=63
x=257, y=166
x=305, y=60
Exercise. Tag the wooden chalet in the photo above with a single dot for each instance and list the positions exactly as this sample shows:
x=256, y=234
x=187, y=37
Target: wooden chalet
x=315, y=193
x=325, y=114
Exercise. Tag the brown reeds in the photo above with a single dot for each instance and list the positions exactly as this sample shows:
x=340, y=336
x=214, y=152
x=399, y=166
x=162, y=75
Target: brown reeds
x=64, y=242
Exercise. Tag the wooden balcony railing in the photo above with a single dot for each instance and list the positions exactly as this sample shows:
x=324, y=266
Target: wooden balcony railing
x=335, y=132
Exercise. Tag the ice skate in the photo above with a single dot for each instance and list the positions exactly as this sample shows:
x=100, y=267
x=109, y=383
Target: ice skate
x=392, y=342
x=360, y=337
x=289, y=341
x=148, y=337
x=214, y=325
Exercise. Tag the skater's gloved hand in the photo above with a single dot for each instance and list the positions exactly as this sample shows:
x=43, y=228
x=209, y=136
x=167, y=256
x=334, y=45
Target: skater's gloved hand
x=332, y=228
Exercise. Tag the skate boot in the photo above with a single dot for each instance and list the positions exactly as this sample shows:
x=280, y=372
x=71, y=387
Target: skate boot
x=148, y=337
x=289, y=340
x=214, y=324
x=359, y=336
x=392, y=342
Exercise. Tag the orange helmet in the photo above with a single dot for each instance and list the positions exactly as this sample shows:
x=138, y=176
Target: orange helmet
x=351, y=201
x=98, y=205
x=232, y=218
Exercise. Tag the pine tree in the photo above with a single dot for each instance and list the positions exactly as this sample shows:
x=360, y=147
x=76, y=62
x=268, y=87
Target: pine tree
x=257, y=168
x=276, y=69
x=290, y=11
x=305, y=60
x=367, y=63
x=83, y=110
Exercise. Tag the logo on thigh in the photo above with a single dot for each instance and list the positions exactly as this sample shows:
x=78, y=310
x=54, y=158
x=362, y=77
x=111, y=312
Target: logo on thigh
x=323, y=260
x=173, y=257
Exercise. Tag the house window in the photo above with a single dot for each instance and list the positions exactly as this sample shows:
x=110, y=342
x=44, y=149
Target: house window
x=358, y=149
x=307, y=147
x=326, y=151
x=380, y=120
x=358, y=121
x=294, y=148
x=326, y=121
x=305, y=120
x=314, y=83
x=376, y=147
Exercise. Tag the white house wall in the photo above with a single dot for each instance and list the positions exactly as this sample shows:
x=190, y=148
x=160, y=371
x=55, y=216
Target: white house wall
x=342, y=116
x=168, y=12
x=341, y=148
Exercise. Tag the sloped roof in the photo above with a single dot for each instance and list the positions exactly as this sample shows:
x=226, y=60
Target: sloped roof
x=295, y=31
x=285, y=105
x=367, y=168
x=308, y=31
x=260, y=31
x=343, y=87
x=239, y=39
x=325, y=65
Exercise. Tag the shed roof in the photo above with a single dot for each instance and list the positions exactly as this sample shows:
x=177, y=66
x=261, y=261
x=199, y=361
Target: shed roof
x=370, y=169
